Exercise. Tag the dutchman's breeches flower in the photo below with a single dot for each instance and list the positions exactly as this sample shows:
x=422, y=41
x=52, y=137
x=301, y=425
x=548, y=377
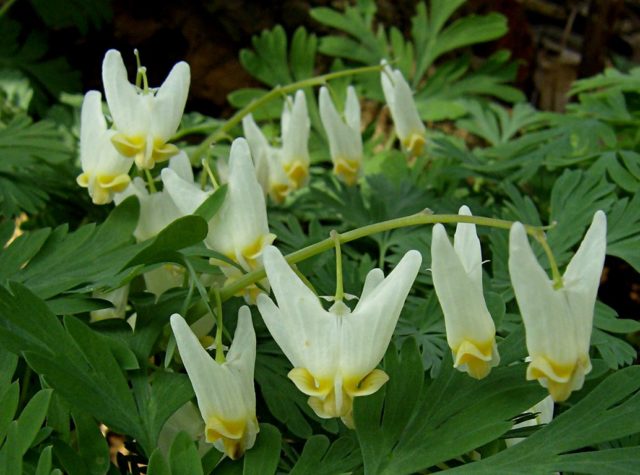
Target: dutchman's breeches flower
x=104, y=171
x=399, y=97
x=345, y=140
x=239, y=230
x=558, y=316
x=225, y=392
x=457, y=278
x=335, y=352
x=145, y=118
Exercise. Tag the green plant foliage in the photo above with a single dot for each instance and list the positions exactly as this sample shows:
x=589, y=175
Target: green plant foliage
x=78, y=14
x=606, y=413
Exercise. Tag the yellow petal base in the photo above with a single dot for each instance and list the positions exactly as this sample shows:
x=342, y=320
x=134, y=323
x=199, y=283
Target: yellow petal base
x=347, y=170
x=298, y=172
x=560, y=379
x=414, y=143
x=333, y=397
x=102, y=187
x=475, y=358
x=227, y=435
x=135, y=146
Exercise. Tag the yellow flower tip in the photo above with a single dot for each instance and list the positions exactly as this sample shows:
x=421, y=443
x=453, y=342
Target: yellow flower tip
x=83, y=180
x=355, y=387
x=309, y=384
x=298, y=172
x=279, y=192
x=113, y=183
x=254, y=250
x=230, y=433
x=476, y=359
x=560, y=379
x=100, y=196
x=347, y=170
x=163, y=151
x=129, y=146
x=415, y=143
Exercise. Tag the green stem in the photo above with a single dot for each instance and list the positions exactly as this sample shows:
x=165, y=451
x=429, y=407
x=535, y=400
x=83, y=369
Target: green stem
x=152, y=185
x=275, y=92
x=555, y=272
x=335, y=237
x=5, y=7
x=207, y=167
x=424, y=217
x=219, y=327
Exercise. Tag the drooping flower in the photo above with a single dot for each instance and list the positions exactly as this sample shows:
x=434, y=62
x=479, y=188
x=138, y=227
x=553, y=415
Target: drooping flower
x=145, y=118
x=399, y=97
x=225, y=392
x=295, y=137
x=457, y=278
x=104, y=171
x=157, y=211
x=335, y=352
x=239, y=230
x=282, y=170
x=345, y=141
x=558, y=320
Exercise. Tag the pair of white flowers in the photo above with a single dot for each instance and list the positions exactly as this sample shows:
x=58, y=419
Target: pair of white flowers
x=558, y=320
x=144, y=119
x=334, y=352
x=282, y=170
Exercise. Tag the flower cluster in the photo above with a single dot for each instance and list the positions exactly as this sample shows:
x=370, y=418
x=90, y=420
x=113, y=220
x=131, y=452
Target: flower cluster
x=334, y=352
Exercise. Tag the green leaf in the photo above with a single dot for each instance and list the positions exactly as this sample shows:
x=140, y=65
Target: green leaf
x=608, y=412
x=575, y=197
x=44, y=461
x=408, y=426
x=623, y=230
x=211, y=205
x=8, y=406
x=268, y=62
x=92, y=446
x=263, y=458
x=183, y=456
x=73, y=13
x=158, y=465
x=31, y=419
x=321, y=457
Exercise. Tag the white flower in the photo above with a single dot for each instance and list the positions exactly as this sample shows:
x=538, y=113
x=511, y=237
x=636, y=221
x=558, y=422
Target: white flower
x=281, y=171
x=225, y=392
x=345, y=141
x=295, y=137
x=558, y=321
x=457, y=278
x=397, y=93
x=104, y=171
x=335, y=352
x=145, y=119
x=239, y=230
x=157, y=211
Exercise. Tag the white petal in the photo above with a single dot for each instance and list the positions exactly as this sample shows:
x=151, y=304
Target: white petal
x=352, y=109
x=582, y=277
x=260, y=150
x=461, y=298
x=170, y=100
x=242, y=219
x=241, y=358
x=367, y=331
x=209, y=380
x=186, y=196
x=302, y=328
x=550, y=331
x=182, y=166
x=344, y=142
x=467, y=247
x=295, y=136
x=374, y=278
x=157, y=211
x=124, y=102
x=93, y=127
